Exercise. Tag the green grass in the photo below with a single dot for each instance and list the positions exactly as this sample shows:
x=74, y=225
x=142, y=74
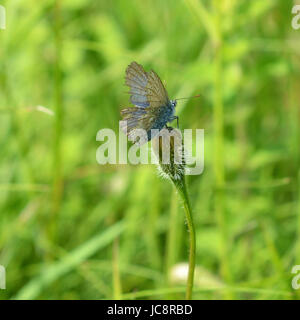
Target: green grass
x=72, y=229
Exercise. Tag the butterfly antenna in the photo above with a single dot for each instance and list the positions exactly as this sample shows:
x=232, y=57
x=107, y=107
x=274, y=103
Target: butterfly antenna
x=197, y=96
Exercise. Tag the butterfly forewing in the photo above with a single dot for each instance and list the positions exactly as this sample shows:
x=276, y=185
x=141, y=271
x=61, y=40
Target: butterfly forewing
x=146, y=88
x=159, y=98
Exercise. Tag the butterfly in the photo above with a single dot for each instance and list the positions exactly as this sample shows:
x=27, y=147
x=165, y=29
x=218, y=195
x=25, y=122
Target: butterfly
x=152, y=106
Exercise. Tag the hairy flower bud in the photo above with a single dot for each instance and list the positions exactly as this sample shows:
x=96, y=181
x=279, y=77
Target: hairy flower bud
x=168, y=149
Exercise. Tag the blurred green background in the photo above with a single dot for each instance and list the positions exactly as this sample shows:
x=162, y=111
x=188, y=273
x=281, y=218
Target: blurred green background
x=73, y=229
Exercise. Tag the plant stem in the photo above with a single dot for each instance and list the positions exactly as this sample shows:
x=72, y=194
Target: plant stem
x=173, y=238
x=181, y=187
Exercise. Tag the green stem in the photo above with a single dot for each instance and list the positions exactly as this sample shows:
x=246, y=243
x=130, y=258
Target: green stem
x=172, y=238
x=181, y=187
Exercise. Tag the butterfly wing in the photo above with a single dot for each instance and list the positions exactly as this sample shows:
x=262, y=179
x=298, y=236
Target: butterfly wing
x=140, y=118
x=146, y=88
x=149, y=96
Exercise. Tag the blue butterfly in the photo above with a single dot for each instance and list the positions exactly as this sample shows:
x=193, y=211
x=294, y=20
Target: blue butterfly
x=153, y=108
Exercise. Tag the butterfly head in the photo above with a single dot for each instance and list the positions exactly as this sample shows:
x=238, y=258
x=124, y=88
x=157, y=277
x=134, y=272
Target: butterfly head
x=173, y=103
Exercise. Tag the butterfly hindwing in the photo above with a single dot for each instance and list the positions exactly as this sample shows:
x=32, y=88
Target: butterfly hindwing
x=133, y=116
x=140, y=118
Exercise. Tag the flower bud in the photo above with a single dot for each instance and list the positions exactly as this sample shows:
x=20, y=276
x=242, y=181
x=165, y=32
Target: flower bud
x=168, y=149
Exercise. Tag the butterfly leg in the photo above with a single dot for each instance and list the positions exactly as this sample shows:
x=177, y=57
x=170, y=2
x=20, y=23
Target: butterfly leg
x=177, y=119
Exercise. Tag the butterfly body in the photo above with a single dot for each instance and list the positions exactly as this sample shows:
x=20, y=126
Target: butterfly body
x=153, y=108
x=163, y=115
